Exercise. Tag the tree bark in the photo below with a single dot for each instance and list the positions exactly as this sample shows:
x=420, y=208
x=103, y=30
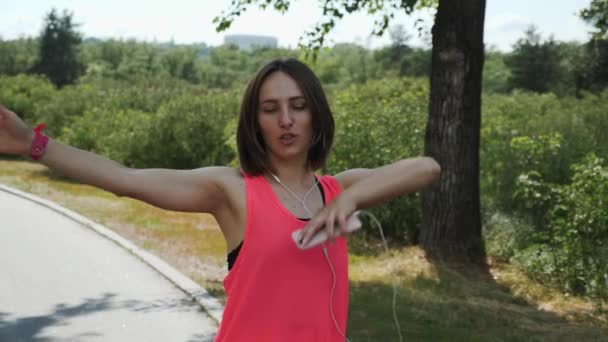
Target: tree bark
x=451, y=207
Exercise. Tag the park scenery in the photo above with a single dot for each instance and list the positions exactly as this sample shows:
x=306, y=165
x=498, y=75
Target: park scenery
x=535, y=270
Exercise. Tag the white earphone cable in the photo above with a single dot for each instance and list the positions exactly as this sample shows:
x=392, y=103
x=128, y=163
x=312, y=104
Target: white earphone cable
x=370, y=215
x=303, y=201
x=325, y=252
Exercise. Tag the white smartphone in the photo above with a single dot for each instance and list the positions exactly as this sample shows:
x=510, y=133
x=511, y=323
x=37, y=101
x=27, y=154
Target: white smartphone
x=352, y=223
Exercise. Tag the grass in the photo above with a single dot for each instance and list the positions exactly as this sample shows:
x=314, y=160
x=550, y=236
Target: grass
x=434, y=302
x=438, y=303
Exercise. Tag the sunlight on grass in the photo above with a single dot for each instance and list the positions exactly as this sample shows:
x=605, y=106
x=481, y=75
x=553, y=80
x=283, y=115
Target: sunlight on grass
x=435, y=302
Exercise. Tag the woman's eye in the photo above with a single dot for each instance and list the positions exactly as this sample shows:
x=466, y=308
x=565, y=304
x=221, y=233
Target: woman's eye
x=269, y=109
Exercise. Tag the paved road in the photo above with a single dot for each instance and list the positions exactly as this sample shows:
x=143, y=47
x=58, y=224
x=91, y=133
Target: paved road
x=60, y=281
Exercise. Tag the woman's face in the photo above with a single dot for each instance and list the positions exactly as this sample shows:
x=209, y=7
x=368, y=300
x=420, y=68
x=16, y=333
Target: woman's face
x=284, y=117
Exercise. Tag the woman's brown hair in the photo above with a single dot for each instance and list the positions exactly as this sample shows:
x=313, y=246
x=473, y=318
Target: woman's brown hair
x=252, y=150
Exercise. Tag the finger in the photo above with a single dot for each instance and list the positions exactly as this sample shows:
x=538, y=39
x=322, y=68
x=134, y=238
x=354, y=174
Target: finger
x=310, y=230
x=342, y=225
x=329, y=227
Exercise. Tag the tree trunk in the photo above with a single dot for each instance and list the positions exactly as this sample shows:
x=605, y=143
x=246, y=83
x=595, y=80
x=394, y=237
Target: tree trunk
x=451, y=208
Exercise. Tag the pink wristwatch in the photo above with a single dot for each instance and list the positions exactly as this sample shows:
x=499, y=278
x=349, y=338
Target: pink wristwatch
x=39, y=143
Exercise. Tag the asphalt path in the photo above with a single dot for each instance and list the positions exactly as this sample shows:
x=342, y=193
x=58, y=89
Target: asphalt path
x=61, y=281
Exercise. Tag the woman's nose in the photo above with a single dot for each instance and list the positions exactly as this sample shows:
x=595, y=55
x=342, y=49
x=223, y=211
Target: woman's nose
x=285, y=120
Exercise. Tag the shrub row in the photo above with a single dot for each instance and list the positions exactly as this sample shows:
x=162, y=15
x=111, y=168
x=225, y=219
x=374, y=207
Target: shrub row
x=536, y=165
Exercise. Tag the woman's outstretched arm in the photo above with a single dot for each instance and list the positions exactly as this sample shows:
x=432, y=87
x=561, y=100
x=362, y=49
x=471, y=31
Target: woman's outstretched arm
x=180, y=190
x=365, y=188
x=393, y=180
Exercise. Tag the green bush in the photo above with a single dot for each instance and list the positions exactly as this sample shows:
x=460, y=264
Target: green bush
x=119, y=135
x=560, y=131
x=535, y=158
x=572, y=253
x=551, y=199
x=23, y=93
x=188, y=132
x=377, y=123
x=17, y=56
x=66, y=106
x=505, y=235
x=143, y=94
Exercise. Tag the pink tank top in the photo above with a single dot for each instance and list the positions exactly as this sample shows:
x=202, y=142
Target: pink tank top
x=275, y=291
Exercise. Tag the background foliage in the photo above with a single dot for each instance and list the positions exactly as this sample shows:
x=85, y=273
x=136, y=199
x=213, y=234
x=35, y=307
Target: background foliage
x=543, y=151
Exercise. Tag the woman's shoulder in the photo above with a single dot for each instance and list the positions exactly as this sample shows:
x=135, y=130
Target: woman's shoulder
x=232, y=182
x=231, y=176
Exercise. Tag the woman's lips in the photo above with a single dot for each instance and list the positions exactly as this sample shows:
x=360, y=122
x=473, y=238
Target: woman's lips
x=287, y=139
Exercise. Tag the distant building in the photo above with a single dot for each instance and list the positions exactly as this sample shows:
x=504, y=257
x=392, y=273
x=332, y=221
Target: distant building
x=248, y=42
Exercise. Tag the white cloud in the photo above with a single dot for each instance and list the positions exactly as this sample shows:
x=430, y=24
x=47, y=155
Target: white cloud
x=508, y=22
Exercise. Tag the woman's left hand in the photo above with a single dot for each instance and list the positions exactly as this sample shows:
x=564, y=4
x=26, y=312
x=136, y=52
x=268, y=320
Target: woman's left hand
x=332, y=219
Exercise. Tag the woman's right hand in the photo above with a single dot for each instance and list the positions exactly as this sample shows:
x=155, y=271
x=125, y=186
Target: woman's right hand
x=15, y=137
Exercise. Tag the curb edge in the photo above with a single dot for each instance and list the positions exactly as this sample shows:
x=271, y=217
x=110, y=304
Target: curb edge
x=209, y=304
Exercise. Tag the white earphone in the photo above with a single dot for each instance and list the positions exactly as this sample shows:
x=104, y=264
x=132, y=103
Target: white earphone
x=324, y=247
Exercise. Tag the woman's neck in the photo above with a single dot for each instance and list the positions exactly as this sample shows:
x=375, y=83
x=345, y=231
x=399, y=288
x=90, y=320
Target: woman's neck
x=297, y=179
x=294, y=173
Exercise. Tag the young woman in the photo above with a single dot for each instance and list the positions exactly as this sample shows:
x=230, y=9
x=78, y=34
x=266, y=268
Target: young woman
x=275, y=291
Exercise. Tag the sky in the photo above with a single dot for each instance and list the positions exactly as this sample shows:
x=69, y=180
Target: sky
x=190, y=21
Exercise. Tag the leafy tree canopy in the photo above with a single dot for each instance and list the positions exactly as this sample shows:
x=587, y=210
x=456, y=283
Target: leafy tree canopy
x=597, y=15
x=333, y=10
